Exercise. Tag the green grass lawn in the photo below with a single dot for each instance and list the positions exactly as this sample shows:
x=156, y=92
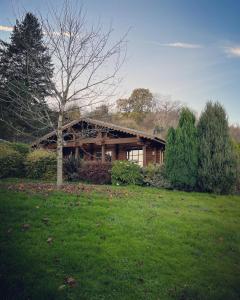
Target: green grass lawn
x=119, y=243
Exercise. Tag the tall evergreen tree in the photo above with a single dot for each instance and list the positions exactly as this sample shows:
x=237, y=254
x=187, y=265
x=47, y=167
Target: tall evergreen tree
x=182, y=158
x=170, y=154
x=217, y=163
x=26, y=72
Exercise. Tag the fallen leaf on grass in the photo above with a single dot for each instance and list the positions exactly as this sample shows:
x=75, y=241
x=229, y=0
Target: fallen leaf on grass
x=140, y=263
x=56, y=259
x=49, y=240
x=70, y=281
x=61, y=287
x=25, y=226
x=140, y=280
x=45, y=220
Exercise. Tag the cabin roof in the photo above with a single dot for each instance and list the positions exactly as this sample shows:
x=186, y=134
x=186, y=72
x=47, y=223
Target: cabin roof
x=112, y=126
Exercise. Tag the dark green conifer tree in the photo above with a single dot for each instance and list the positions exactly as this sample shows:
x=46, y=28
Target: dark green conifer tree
x=170, y=154
x=182, y=162
x=217, y=162
x=25, y=72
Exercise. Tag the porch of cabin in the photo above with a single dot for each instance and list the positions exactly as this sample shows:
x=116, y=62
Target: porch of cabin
x=141, y=154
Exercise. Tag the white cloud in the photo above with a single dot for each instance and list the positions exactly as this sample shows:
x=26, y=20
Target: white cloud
x=178, y=45
x=182, y=45
x=6, y=28
x=233, y=51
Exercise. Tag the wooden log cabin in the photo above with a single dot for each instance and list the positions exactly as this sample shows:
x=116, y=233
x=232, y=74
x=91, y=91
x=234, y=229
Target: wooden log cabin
x=91, y=139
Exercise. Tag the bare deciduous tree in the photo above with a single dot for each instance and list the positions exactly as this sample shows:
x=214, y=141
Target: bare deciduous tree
x=166, y=112
x=86, y=61
x=86, y=64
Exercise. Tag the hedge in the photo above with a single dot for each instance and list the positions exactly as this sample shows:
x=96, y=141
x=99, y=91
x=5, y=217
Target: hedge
x=41, y=164
x=22, y=148
x=11, y=161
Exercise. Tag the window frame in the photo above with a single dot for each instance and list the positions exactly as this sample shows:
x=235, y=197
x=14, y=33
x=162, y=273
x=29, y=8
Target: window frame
x=136, y=156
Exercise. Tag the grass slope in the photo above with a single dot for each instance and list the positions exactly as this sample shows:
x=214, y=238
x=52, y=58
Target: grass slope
x=119, y=243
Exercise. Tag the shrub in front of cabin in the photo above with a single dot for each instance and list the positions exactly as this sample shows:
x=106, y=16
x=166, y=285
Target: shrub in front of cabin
x=126, y=172
x=71, y=166
x=41, y=164
x=154, y=175
x=22, y=148
x=11, y=161
x=95, y=172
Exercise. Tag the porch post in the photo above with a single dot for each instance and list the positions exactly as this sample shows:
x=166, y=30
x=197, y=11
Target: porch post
x=144, y=155
x=155, y=156
x=103, y=153
x=161, y=156
x=76, y=152
x=115, y=152
x=91, y=152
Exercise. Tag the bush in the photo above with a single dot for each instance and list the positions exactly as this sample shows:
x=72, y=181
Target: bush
x=11, y=161
x=95, y=172
x=71, y=166
x=22, y=148
x=154, y=175
x=126, y=172
x=41, y=164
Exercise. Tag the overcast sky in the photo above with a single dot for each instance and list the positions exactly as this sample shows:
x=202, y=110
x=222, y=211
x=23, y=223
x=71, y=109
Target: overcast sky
x=187, y=49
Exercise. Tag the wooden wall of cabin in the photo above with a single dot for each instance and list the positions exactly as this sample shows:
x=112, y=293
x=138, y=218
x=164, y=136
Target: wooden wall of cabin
x=154, y=154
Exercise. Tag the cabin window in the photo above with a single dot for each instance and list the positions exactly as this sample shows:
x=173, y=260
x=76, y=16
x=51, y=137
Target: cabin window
x=135, y=156
x=98, y=155
x=108, y=156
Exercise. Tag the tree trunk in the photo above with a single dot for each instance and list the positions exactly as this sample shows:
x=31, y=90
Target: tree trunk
x=60, y=150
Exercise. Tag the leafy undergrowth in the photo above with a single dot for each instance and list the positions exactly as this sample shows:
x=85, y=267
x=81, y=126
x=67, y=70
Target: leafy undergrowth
x=117, y=243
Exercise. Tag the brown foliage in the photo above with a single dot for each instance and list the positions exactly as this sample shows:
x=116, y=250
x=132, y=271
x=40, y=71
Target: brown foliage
x=95, y=172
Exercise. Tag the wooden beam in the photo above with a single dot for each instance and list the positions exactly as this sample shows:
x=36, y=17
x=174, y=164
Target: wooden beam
x=144, y=155
x=161, y=156
x=100, y=141
x=91, y=152
x=156, y=153
x=103, y=153
x=121, y=141
x=114, y=153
